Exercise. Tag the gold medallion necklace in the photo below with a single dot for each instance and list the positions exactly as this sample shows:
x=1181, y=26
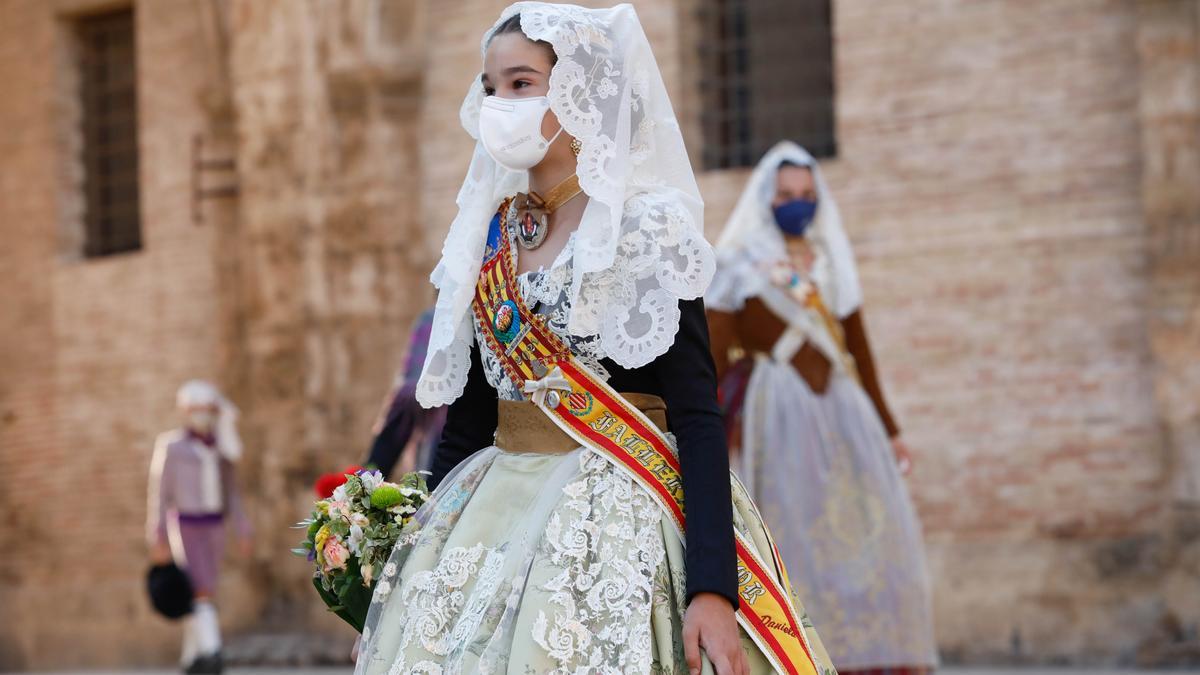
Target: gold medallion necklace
x=533, y=211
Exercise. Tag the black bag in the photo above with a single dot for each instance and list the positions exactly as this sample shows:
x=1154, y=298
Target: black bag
x=170, y=590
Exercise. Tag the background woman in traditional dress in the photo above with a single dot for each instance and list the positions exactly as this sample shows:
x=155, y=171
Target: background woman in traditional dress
x=819, y=449
x=536, y=554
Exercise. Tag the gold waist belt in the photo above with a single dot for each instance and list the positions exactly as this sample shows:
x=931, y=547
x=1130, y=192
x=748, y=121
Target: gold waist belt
x=523, y=427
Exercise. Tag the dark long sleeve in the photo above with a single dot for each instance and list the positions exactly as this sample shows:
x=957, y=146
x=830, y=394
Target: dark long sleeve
x=688, y=379
x=404, y=416
x=860, y=348
x=401, y=416
x=470, y=422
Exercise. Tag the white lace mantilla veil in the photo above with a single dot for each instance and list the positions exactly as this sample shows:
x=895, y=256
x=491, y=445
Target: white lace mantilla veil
x=751, y=238
x=639, y=248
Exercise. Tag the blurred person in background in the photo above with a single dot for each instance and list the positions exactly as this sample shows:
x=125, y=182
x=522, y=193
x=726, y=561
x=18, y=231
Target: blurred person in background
x=819, y=450
x=405, y=433
x=193, y=496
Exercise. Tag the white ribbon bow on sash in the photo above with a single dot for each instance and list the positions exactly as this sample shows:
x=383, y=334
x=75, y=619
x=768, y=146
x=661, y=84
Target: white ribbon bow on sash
x=544, y=392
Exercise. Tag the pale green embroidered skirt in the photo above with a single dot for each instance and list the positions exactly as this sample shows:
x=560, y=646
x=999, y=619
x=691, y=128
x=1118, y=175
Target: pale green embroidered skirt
x=541, y=563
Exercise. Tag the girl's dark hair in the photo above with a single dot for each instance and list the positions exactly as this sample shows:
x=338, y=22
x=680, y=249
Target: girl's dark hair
x=513, y=25
x=787, y=162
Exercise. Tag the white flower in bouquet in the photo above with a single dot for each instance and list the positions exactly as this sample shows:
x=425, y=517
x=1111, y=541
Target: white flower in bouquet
x=339, y=494
x=403, y=509
x=371, y=480
x=355, y=541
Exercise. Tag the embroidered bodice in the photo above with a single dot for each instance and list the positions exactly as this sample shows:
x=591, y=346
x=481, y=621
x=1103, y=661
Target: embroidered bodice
x=545, y=292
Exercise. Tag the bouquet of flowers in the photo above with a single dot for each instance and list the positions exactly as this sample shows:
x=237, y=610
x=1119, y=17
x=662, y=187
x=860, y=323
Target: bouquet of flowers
x=351, y=533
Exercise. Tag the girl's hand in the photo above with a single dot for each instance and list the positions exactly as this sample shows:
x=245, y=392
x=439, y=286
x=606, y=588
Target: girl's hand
x=903, y=455
x=710, y=624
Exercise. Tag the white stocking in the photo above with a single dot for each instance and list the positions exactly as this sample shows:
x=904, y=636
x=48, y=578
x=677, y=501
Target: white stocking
x=208, y=629
x=189, y=641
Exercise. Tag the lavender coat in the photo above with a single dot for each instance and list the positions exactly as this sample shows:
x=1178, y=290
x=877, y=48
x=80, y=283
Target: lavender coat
x=176, y=485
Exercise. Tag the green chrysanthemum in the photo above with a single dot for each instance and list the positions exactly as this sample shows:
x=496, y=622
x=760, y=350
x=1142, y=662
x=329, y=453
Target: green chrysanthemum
x=386, y=496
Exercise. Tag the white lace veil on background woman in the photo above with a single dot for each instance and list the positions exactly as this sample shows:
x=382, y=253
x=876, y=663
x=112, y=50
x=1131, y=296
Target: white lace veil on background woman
x=639, y=248
x=751, y=238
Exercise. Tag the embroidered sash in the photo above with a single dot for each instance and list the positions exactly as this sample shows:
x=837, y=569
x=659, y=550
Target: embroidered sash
x=595, y=415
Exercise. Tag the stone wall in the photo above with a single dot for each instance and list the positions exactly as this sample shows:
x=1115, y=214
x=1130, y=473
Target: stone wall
x=1018, y=180
x=295, y=296
x=324, y=97
x=1169, y=110
x=92, y=350
x=989, y=176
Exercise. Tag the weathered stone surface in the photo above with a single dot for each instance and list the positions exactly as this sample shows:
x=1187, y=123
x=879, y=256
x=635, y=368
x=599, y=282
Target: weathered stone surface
x=1018, y=179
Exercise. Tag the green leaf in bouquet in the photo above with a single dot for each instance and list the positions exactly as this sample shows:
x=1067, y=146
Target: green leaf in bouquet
x=349, y=578
x=414, y=480
x=351, y=607
x=313, y=527
x=325, y=582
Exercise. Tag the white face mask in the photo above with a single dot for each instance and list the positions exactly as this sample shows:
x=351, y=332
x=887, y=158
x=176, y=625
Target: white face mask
x=201, y=421
x=511, y=131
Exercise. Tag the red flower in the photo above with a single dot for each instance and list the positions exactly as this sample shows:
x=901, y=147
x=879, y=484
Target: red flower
x=329, y=482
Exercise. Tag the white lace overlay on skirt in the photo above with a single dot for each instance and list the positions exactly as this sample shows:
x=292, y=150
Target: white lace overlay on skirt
x=532, y=563
x=604, y=541
x=569, y=590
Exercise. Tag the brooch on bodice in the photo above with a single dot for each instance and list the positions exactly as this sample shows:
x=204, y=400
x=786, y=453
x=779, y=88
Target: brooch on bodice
x=784, y=275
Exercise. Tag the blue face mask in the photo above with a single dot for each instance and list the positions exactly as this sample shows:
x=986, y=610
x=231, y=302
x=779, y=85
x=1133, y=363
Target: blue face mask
x=795, y=216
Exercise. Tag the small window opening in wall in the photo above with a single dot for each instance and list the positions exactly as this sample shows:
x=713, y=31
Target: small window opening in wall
x=767, y=76
x=107, y=90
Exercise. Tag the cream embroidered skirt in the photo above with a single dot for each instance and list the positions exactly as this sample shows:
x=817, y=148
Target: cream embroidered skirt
x=540, y=563
x=821, y=469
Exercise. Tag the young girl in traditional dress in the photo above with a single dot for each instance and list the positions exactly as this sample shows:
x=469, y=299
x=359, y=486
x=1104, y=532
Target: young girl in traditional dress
x=569, y=290
x=819, y=450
